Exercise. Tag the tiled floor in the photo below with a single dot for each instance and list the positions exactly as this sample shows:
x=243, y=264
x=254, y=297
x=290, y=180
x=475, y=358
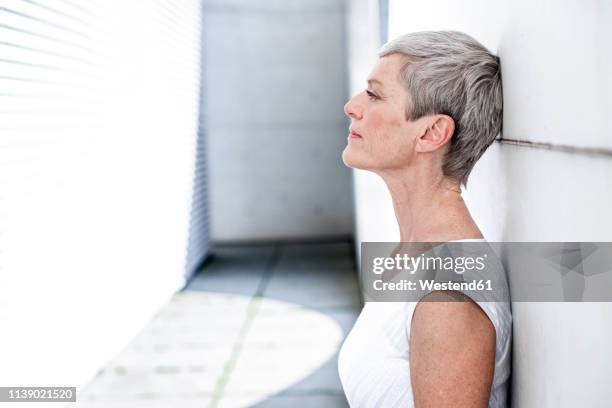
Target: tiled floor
x=260, y=326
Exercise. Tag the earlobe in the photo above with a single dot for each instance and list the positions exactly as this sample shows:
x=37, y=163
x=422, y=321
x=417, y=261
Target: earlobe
x=426, y=141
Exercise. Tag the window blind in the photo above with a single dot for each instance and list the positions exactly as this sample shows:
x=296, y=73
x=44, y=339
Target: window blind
x=102, y=173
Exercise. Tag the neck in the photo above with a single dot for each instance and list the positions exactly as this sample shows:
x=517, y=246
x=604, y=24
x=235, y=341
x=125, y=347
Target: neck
x=429, y=207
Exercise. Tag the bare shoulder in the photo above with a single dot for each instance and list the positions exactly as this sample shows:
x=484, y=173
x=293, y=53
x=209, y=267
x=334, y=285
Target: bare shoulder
x=452, y=352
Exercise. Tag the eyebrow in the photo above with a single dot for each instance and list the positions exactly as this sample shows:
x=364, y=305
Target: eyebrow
x=375, y=81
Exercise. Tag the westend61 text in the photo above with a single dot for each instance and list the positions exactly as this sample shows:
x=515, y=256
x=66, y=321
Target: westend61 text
x=405, y=284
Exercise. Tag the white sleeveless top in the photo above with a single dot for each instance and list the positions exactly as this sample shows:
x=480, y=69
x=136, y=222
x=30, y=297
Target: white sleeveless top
x=373, y=360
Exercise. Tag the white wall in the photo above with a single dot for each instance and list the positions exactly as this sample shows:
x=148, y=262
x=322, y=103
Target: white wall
x=96, y=171
x=549, y=181
x=275, y=86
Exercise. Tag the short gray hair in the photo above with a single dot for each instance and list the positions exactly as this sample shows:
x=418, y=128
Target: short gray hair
x=449, y=72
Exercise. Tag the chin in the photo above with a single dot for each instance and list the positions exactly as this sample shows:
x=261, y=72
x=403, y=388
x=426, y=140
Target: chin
x=354, y=160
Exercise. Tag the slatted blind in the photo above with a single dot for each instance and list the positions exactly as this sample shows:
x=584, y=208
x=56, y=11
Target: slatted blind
x=102, y=179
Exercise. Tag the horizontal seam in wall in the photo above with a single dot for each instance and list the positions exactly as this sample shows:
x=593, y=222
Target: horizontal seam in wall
x=594, y=151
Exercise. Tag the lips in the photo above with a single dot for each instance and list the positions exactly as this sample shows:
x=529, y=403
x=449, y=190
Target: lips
x=353, y=134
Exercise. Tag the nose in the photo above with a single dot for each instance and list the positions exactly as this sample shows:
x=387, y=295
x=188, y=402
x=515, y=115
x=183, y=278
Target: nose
x=352, y=109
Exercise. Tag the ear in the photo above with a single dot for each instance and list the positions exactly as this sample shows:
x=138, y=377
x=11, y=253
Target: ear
x=437, y=134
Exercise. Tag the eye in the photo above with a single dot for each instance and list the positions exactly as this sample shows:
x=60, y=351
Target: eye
x=371, y=95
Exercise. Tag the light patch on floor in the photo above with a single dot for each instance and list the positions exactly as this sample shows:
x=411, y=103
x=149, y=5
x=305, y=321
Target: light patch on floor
x=203, y=344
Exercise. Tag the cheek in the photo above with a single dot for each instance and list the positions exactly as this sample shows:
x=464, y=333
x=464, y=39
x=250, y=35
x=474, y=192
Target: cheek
x=393, y=146
x=379, y=127
x=388, y=131
x=387, y=141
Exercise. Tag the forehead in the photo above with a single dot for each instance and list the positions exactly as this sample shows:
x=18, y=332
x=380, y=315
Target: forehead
x=387, y=72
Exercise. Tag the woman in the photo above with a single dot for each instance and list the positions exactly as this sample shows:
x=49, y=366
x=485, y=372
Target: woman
x=432, y=106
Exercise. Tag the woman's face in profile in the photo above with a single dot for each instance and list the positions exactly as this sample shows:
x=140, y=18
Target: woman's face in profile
x=380, y=136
